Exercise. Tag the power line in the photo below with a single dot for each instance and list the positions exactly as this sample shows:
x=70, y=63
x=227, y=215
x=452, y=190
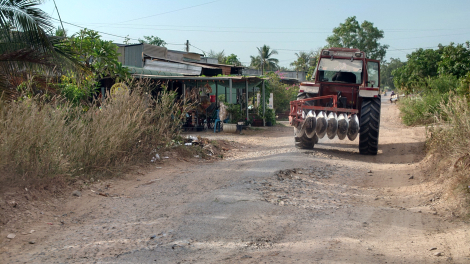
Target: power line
x=413, y=48
x=274, y=28
x=109, y=34
x=197, y=48
x=257, y=32
x=432, y=36
x=75, y=25
x=168, y=12
x=223, y=31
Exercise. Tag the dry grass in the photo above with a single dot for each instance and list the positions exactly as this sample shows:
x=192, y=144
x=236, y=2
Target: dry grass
x=40, y=140
x=449, y=142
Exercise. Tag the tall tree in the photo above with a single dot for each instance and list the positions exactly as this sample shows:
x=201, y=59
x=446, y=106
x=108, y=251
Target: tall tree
x=363, y=36
x=455, y=59
x=232, y=59
x=97, y=55
x=153, y=40
x=264, y=60
x=386, y=69
x=421, y=64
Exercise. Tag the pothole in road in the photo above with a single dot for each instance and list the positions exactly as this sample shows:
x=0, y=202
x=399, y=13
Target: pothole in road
x=312, y=187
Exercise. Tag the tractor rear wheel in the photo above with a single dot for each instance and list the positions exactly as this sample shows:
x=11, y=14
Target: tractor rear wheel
x=369, y=126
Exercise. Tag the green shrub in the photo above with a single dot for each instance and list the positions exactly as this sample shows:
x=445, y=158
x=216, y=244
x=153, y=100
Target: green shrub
x=420, y=110
x=442, y=84
x=423, y=108
x=77, y=90
x=236, y=114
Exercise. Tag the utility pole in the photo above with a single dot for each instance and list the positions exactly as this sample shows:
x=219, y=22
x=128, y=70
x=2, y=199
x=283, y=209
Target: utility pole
x=59, y=18
x=187, y=45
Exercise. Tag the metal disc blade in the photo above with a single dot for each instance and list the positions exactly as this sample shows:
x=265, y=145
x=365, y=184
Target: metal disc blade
x=332, y=128
x=343, y=126
x=321, y=124
x=353, y=127
x=310, y=125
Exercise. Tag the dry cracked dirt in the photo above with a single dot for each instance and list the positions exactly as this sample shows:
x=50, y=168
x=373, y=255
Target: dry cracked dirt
x=265, y=202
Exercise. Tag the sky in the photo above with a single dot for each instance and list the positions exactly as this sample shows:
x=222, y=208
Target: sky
x=239, y=27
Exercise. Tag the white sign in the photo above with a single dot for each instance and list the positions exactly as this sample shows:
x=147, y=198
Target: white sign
x=271, y=101
x=258, y=99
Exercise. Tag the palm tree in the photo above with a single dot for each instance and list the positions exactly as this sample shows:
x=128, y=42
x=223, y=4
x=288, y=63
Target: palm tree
x=303, y=61
x=27, y=42
x=255, y=62
x=265, y=59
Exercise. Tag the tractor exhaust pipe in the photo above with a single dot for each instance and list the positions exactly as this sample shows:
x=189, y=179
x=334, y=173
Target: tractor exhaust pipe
x=353, y=127
x=332, y=128
x=343, y=126
x=321, y=124
x=310, y=124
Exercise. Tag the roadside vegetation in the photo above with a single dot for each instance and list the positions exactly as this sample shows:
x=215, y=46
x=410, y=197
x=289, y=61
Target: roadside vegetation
x=43, y=138
x=54, y=122
x=437, y=85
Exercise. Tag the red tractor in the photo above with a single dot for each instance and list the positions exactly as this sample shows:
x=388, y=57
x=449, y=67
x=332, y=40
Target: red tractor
x=341, y=100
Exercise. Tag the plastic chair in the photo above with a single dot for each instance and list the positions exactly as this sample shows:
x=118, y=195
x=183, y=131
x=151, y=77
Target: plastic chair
x=217, y=121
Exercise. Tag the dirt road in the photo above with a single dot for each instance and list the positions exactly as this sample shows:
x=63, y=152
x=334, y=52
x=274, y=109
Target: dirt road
x=266, y=202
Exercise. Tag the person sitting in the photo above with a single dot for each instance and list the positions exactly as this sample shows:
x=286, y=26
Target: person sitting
x=348, y=77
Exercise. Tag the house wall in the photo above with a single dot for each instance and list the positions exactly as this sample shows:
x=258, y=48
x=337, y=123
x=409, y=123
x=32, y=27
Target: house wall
x=133, y=56
x=172, y=67
x=121, y=58
x=209, y=60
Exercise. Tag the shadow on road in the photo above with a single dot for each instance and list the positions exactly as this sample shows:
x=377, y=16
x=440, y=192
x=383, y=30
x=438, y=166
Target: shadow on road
x=395, y=153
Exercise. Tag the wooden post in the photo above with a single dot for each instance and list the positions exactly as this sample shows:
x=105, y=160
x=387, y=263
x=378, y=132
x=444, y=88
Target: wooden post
x=246, y=102
x=264, y=106
x=216, y=93
x=230, y=89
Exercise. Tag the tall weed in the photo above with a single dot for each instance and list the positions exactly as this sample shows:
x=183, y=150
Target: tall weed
x=43, y=139
x=449, y=141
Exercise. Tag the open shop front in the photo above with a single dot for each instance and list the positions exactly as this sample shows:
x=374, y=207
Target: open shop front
x=208, y=94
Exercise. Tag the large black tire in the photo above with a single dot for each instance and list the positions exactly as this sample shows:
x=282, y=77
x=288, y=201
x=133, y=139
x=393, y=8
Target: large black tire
x=304, y=142
x=370, y=125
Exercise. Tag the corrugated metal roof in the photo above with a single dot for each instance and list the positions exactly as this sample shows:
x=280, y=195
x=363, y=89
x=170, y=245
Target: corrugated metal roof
x=155, y=51
x=165, y=66
x=183, y=62
x=224, y=65
x=142, y=71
